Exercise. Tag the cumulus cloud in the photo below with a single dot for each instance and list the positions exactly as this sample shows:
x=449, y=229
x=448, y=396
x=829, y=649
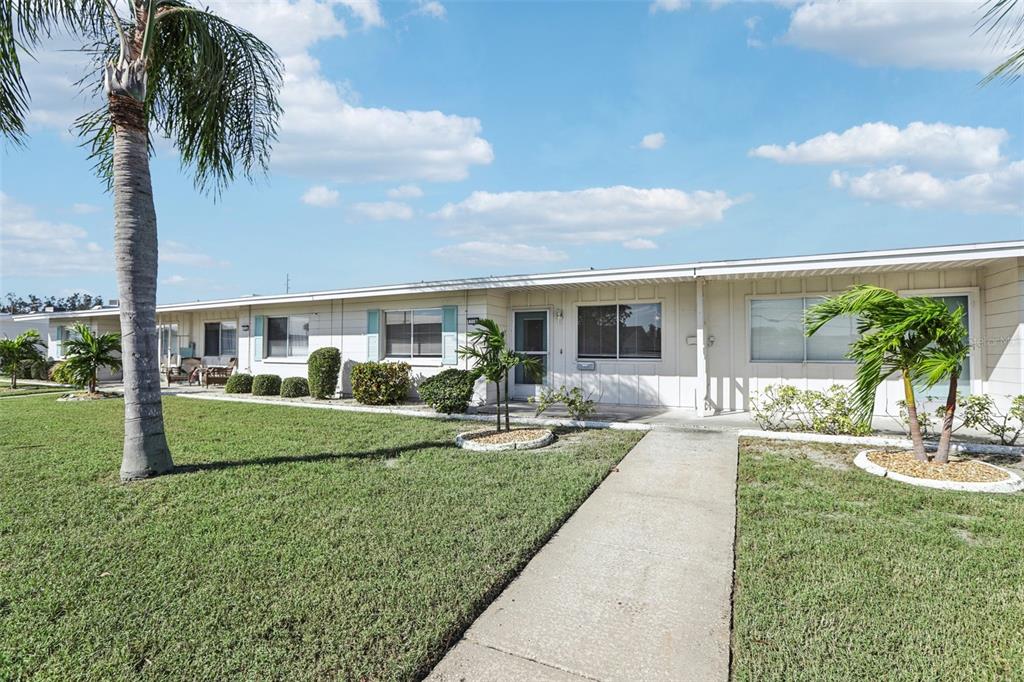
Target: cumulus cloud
x=599, y=214
x=321, y=196
x=174, y=280
x=430, y=8
x=84, y=209
x=653, y=141
x=923, y=144
x=996, y=191
x=367, y=10
x=668, y=6
x=31, y=246
x=499, y=253
x=639, y=244
x=405, y=192
x=383, y=210
x=934, y=35
x=178, y=253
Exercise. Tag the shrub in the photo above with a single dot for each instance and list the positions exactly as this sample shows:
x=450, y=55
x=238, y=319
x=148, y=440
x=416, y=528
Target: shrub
x=266, y=384
x=449, y=391
x=294, y=387
x=323, y=368
x=787, y=408
x=239, y=383
x=41, y=369
x=381, y=383
x=579, y=406
x=62, y=374
x=980, y=412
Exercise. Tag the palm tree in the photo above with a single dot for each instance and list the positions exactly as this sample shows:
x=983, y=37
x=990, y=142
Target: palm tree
x=904, y=335
x=85, y=353
x=495, y=361
x=944, y=361
x=25, y=346
x=1005, y=24
x=210, y=87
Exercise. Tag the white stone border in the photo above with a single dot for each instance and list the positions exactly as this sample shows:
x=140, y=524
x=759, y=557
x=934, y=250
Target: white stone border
x=466, y=442
x=1012, y=484
x=407, y=412
x=880, y=441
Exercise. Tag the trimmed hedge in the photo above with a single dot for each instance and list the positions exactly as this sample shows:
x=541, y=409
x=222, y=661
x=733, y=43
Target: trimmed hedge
x=266, y=384
x=381, y=383
x=239, y=383
x=294, y=387
x=323, y=368
x=449, y=391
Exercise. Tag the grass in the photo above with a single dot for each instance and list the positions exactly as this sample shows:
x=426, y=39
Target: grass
x=841, y=575
x=292, y=544
x=29, y=389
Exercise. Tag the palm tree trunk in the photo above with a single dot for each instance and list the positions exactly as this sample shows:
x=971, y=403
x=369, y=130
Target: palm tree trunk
x=135, y=253
x=14, y=376
x=915, y=425
x=942, y=454
x=497, y=404
x=507, y=427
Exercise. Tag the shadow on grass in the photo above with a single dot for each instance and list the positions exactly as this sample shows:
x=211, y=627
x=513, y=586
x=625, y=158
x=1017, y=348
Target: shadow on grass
x=382, y=453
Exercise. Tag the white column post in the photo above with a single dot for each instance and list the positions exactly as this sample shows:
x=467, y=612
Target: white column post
x=702, y=364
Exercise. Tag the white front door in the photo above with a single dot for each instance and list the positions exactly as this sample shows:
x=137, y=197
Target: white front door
x=530, y=337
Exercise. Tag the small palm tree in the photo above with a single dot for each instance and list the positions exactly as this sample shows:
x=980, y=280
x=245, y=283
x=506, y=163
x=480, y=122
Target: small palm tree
x=210, y=87
x=85, y=353
x=25, y=346
x=909, y=336
x=944, y=361
x=495, y=360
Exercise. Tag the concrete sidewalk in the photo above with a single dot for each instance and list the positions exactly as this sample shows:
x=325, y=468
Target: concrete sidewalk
x=636, y=585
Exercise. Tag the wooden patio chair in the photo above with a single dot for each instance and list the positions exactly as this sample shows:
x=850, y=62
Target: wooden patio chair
x=218, y=376
x=183, y=372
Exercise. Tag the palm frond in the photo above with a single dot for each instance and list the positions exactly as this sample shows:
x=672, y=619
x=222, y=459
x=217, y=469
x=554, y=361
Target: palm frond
x=1004, y=23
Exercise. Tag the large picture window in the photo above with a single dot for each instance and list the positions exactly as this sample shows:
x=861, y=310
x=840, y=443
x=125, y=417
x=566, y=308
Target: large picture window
x=220, y=339
x=625, y=331
x=412, y=333
x=287, y=336
x=777, y=333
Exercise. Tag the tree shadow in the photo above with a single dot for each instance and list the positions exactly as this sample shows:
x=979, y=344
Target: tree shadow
x=379, y=454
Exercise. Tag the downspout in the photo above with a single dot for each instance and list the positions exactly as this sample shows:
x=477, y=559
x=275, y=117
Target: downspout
x=702, y=359
x=252, y=344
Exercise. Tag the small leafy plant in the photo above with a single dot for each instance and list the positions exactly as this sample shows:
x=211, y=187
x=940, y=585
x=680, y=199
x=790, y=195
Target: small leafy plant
x=580, y=406
x=449, y=391
x=980, y=412
x=266, y=384
x=239, y=383
x=294, y=387
x=381, y=383
x=788, y=408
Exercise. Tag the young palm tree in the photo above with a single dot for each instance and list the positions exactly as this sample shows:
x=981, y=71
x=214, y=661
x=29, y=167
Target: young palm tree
x=495, y=361
x=85, y=353
x=897, y=334
x=210, y=87
x=944, y=361
x=25, y=346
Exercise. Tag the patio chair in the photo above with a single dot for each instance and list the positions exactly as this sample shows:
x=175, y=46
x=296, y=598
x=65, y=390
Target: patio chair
x=183, y=372
x=218, y=376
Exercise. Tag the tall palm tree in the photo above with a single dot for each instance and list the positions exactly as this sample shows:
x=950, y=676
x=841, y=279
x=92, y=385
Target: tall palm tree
x=25, y=346
x=86, y=353
x=210, y=87
x=897, y=335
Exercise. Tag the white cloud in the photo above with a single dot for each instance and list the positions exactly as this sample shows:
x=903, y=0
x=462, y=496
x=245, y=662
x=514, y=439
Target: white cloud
x=174, y=280
x=653, y=141
x=33, y=247
x=430, y=8
x=639, y=244
x=367, y=10
x=668, y=6
x=600, y=214
x=383, y=210
x=319, y=195
x=179, y=253
x=84, y=209
x=926, y=144
x=996, y=191
x=405, y=192
x=934, y=35
x=499, y=253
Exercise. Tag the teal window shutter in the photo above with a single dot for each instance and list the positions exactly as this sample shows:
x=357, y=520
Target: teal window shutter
x=449, y=334
x=373, y=335
x=257, y=338
x=60, y=341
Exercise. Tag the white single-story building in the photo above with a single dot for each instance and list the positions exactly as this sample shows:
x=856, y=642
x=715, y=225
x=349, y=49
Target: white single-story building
x=703, y=336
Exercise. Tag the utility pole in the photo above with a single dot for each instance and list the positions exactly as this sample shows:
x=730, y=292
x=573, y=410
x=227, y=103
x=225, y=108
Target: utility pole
x=287, y=283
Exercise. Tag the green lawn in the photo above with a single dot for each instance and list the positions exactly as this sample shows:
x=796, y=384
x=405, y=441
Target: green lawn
x=292, y=544
x=845, y=576
x=29, y=389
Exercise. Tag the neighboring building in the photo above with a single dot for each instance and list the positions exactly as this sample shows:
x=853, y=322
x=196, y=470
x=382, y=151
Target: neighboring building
x=703, y=336
x=11, y=326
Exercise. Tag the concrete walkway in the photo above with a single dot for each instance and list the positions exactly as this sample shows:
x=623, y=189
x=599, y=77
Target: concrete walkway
x=635, y=586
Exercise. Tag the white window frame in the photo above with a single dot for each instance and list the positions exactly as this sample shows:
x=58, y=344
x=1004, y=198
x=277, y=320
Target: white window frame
x=220, y=338
x=421, y=359
x=618, y=357
x=267, y=357
x=974, y=331
x=749, y=298
x=172, y=349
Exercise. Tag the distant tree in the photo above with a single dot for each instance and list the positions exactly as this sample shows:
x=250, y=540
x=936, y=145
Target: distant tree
x=26, y=346
x=16, y=305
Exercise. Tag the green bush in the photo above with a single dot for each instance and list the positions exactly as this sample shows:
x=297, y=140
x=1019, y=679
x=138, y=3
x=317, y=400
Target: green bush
x=787, y=408
x=449, y=391
x=381, y=383
x=239, y=383
x=294, y=387
x=62, y=375
x=323, y=368
x=579, y=406
x=266, y=384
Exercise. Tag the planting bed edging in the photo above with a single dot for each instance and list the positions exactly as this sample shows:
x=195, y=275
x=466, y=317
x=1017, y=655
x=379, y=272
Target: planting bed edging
x=465, y=441
x=881, y=441
x=1011, y=485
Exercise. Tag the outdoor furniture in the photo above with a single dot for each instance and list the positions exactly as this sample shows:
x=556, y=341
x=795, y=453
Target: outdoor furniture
x=186, y=371
x=218, y=376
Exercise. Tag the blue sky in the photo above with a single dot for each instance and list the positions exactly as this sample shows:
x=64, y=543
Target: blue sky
x=425, y=140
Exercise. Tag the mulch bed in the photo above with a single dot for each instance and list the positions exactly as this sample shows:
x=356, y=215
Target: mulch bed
x=513, y=436
x=962, y=470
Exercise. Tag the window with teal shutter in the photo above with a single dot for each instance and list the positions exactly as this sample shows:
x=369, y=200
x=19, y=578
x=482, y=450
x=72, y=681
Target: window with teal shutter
x=257, y=338
x=449, y=334
x=60, y=342
x=373, y=335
